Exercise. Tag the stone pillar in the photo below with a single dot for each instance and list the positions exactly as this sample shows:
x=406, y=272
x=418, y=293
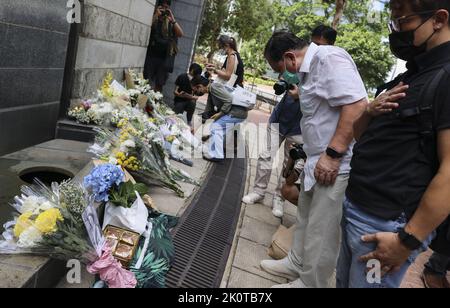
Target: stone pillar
x=33, y=45
x=189, y=14
x=114, y=35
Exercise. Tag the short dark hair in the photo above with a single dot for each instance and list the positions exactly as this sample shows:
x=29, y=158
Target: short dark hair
x=421, y=5
x=196, y=69
x=161, y=2
x=280, y=43
x=199, y=80
x=326, y=32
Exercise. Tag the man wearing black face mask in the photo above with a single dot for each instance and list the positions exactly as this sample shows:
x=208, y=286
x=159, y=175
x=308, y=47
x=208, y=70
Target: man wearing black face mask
x=398, y=192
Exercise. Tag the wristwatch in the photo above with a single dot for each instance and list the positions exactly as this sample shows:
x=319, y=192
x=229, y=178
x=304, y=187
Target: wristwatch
x=409, y=240
x=334, y=154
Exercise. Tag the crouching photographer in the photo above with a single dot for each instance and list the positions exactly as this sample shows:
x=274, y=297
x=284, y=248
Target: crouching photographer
x=294, y=167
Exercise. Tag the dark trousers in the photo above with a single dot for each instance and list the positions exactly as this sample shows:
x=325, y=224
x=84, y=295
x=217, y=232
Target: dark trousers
x=438, y=265
x=181, y=106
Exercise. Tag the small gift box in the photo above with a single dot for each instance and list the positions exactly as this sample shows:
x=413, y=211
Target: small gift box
x=123, y=243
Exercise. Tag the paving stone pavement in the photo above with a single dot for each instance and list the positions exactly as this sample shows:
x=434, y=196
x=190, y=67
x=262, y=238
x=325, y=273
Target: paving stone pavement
x=254, y=235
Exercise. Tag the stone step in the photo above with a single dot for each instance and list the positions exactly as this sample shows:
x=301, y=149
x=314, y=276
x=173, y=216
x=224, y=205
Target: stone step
x=71, y=130
x=19, y=271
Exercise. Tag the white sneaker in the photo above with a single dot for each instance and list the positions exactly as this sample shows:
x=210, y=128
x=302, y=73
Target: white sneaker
x=296, y=284
x=278, y=207
x=280, y=268
x=253, y=198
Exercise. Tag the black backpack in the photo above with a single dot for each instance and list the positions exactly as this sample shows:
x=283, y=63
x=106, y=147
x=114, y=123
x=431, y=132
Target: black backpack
x=424, y=112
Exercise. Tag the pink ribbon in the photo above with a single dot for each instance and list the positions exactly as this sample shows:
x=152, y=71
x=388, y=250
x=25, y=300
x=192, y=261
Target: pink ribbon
x=112, y=272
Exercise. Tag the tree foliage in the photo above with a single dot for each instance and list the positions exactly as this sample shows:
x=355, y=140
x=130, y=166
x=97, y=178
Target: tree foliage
x=362, y=31
x=214, y=22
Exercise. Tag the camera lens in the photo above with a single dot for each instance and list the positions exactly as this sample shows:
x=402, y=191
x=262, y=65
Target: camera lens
x=280, y=87
x=297, y=152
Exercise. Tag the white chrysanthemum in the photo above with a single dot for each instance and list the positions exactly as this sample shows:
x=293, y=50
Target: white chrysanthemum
x=30, y=204
x=112, y=160
x=129, y=144
x=29, y=238
x=44, y=207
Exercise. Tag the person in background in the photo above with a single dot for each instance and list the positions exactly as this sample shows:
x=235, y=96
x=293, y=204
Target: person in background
x=284, y=125
x=163, y=46
x=291, y=188
x=233, y=68
x=324, y=35
x=231, y=73
x=225, y=119
x=185, y=100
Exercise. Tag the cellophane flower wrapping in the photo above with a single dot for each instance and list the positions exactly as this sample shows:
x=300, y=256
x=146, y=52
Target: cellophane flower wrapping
x=48, y=221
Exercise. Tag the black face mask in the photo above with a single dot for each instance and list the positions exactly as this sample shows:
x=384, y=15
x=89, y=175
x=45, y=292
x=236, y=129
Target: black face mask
x=402, y=44
x=199, y=94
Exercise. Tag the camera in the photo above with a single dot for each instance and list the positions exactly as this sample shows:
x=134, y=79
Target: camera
x=281, y=87
x=297, y=152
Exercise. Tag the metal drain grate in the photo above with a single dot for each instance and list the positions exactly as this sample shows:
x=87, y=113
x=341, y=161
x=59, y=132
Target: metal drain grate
x=205, y=233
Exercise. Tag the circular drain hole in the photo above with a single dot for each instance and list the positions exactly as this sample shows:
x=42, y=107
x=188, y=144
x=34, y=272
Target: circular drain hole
x=47, y=175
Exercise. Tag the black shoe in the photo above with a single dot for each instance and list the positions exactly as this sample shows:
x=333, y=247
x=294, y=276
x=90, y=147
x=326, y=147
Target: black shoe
x=213, y=160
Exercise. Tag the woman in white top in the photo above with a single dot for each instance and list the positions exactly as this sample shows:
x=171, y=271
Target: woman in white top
x=232, y=71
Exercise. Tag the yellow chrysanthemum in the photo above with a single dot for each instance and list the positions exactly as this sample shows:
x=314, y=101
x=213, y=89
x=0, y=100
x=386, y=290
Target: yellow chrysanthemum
x=106, y=85
x=46, y=221
x=23, y=223
x=121, y=155
x=122, y=123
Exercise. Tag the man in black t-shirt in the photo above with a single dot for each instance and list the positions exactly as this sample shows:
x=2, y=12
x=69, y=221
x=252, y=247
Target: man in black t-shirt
x=185, y=100
x=398, y=192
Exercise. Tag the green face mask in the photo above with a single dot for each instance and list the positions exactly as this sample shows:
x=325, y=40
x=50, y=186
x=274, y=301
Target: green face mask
x=289, y=77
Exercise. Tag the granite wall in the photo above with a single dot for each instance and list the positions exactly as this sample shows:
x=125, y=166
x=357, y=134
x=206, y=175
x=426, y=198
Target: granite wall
x=46, y=63
x=113, y=36
x=33, y=45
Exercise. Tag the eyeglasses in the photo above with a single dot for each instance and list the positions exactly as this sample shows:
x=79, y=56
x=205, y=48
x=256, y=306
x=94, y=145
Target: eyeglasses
x=395, y=25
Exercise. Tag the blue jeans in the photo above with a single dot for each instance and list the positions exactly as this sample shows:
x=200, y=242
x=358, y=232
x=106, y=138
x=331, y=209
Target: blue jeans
x=219, y=130
x=352, y=273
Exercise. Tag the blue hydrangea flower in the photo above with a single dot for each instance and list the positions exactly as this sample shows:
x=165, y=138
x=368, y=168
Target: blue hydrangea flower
x=102, y=179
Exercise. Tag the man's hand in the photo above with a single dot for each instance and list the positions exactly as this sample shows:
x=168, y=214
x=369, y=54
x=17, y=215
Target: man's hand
x=292, y=178
x=327, y=170
x=386, y=102
x=294, y=93
x=390, y=251
x=217, y=116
